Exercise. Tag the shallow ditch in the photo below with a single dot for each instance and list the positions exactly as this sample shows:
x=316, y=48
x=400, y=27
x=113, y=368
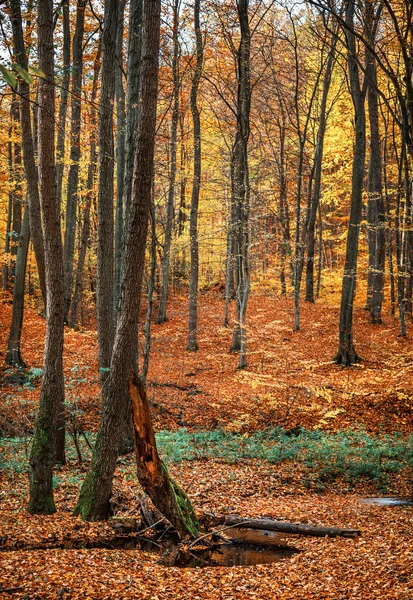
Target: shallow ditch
x=228, y=554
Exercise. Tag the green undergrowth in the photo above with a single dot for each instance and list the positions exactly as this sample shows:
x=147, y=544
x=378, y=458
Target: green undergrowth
x=348, y=455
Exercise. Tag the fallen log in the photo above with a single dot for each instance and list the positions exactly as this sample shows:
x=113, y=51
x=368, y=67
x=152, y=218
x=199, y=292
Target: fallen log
x=279, y=526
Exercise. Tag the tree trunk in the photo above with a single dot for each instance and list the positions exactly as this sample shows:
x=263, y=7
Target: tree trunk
x=64, y=93
x=42, y=453
x=281, y=526
x=13, y=356
x=30, y=168
x=120, y=153
x=73, y=177
x=196, y=185
x=105, y=254
x=134, y=58
x=241, y=185
x=91, y=174
x=151, y=287
x=153, y=475
x=347, y=355
x=318, y=162
x=95, y=494
x=162, y=317
x=375, y=204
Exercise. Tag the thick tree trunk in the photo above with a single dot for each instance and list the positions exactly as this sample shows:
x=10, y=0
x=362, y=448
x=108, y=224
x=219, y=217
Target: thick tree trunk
x=347, y=355
x=30, y=168
x=42, y=453
x=105, y=252
x=73, y=177
x=64, y=93
x=196, y=185
x=163, y=296
x=94, y=500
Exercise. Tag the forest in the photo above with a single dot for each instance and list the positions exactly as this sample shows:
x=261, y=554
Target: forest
x=206, y=301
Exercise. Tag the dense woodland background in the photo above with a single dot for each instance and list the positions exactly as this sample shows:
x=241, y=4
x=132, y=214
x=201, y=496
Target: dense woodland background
x=205, y=214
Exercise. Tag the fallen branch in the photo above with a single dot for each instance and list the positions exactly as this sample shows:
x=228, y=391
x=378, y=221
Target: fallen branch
x=280, y=526
x=172, y=385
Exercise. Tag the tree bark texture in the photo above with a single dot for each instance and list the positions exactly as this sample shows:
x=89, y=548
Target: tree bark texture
x=64, y=93
x=347, y=354
x=42, y=453
x=94, y=500
x=105, y=250
x=196, y=185
x=30, y=168
x=73, y=177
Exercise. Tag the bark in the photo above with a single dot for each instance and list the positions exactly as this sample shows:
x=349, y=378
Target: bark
x=132, y=104
x=13, y=356
x=196, y=185
x=282, y=526
x=398, y=233
x=376, y=217
x=30, y=168
x=73, y=177
x=318, y=162
x=120, y=153
x=162, y=316
x=7, y=267
x=241, y=185
x=17, y=188
x=42, y=453
x=91, y=174
x=64, y=93
x=151, y=288
x=105, y=254
x=347, y=355
x=153, y=475
x=94, y=500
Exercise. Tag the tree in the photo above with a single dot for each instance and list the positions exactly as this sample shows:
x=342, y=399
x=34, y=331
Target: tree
x=196, y=184
x=375, y=203
x=347, y=354
x=163, y=296
x=42, y=453
x=73, y=177
x=91, y=174
x=318, y=162
x=105, y=254
x=241, y=185
x=95, y=494
x=64, y=93
x=14, y=356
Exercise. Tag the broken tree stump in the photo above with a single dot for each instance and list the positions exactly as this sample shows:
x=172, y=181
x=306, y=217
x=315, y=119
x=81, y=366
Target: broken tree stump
x=168, y=497
x=279, y=526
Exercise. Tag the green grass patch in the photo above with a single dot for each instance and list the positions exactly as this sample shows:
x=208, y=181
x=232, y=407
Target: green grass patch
x=349, y=455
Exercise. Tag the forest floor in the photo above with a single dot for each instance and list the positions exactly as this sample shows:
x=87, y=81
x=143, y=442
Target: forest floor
x=290, y=386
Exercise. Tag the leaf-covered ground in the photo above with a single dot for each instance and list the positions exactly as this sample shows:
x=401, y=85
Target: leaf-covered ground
x=291, y=383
